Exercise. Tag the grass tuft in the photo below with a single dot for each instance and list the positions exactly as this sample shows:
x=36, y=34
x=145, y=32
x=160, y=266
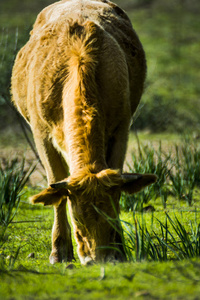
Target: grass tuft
x=178, y=173
x=13, y=179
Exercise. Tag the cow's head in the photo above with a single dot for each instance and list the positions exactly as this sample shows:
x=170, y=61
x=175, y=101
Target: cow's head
x=93, y=198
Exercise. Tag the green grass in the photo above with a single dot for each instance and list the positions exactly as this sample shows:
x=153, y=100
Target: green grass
x=177, y=165
x=140, y=280
x=35, y=278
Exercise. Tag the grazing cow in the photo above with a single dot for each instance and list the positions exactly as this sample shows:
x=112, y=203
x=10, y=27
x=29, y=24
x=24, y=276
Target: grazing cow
x=77, y=82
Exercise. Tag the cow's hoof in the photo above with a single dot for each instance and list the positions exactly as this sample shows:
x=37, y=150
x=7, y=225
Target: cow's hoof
x=87, y=261
x=54, y=259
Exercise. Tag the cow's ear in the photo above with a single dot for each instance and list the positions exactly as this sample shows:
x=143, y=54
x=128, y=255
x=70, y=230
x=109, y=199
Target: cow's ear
x=133, y=183
x=49, y=196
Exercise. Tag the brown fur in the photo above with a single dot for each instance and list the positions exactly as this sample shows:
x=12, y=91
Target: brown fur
x=78, y=82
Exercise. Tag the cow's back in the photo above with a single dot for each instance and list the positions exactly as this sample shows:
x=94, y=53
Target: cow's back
x=40, y=63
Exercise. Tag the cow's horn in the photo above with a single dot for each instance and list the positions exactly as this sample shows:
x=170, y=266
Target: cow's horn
x=60, y=185
x=131, y=177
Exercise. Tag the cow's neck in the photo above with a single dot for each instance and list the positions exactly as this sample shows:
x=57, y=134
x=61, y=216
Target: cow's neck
x=84, y=137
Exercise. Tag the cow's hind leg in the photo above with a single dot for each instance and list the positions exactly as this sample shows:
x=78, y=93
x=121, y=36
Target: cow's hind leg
x=62, y=249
